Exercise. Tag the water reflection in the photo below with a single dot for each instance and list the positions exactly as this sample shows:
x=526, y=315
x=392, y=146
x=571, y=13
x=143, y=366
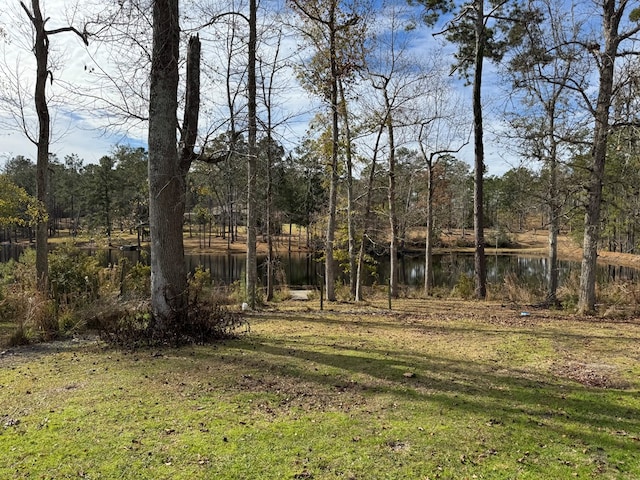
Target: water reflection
x=306, y=269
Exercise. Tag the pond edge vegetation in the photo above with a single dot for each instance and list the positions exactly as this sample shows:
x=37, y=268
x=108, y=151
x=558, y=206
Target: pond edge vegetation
x=114, y=301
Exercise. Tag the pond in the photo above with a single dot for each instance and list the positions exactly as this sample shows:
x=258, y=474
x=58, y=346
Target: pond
x=305, y=269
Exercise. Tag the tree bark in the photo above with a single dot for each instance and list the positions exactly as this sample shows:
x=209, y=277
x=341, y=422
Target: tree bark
x=166, y=180
x=41, y=51
x=330, y=268
x=587, y=293
x=252, y=267
x=269, y=214
x=478, y=194
x=367, y=216
x=554, y=212
x=391, y=197
x=428, y=254
x=350, y=203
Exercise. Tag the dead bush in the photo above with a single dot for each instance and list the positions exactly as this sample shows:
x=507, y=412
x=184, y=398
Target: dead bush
x=136, y=326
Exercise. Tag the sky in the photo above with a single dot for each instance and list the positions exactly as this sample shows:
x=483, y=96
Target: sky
x=82, y=132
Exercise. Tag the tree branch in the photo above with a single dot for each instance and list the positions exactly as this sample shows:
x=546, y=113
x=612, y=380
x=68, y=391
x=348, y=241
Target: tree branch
x=82, y=35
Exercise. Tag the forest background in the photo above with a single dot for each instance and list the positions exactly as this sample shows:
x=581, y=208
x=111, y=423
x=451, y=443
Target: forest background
x=380, y=153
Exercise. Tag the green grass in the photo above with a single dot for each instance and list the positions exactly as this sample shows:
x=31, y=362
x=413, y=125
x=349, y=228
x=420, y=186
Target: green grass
x=347, y=393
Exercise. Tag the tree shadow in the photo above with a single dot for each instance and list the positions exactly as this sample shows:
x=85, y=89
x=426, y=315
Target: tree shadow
x=482, y=389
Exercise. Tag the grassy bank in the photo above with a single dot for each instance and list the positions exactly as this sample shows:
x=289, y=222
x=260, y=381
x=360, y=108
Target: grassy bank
x=434, y=389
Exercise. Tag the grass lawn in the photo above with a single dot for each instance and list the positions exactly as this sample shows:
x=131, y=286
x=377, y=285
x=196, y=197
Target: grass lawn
x=433, y=389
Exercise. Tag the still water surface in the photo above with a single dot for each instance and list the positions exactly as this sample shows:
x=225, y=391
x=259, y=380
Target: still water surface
x=305, y=269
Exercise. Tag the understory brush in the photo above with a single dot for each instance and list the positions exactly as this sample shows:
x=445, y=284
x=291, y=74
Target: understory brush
x=20, y=302
x=135, y=326
x=113, y=299
x=515, y=290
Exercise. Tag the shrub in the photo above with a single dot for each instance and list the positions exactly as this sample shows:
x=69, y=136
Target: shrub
x=238, y=292
x=568, y=291
x=136, y=327
x=499, y=238
x=517, y=291
x=465, y=287
x=73, y=276
x=20, y=302
x=136, y=281
x=70, y=321
x=131, y=324
x=198, y=281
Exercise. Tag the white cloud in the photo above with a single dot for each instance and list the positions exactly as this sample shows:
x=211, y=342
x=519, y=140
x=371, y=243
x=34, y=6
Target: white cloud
x=86, y=133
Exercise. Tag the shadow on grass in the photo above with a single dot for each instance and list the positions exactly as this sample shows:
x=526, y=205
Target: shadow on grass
x=528, y=327
x=496, y=394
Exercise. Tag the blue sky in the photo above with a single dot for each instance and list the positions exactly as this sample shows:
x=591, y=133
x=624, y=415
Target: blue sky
x=80, y=132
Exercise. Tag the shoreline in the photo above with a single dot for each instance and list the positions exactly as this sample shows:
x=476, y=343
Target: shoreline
x=532, y=243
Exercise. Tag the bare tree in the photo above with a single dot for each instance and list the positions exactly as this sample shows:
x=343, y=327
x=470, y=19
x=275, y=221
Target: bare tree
x=41, y=51
x=269, y=69
x=442, y=131
x=545, y=72
x=612, y=35
x=367, y=210
x=328, y=26
x=168, y=165
x=398, y=80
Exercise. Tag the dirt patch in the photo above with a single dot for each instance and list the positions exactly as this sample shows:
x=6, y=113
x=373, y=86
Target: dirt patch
x=597, y=375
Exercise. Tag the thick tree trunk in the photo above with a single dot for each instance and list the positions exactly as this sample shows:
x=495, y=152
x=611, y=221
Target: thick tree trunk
x=478, y=194
x=587, y=293
x=166, y=180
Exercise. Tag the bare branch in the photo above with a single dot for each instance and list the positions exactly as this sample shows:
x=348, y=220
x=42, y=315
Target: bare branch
x=82, y=35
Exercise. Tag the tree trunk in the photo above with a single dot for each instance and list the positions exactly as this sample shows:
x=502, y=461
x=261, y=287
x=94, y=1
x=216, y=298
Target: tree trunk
x=587, y=293
x=478, y=195
x=330, y=269
x=554, y=215
x=270, y=258
x=391, y=197
x=41, y=51
x=367, y=217
x=252, y=267
x=554, y=228
x=428, y=254
x=166, y=181
x=267, y=92
x=350, y=203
